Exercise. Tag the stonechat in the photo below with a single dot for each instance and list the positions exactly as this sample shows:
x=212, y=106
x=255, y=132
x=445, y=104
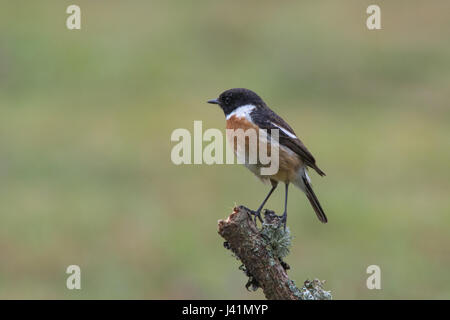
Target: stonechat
x=245, y=110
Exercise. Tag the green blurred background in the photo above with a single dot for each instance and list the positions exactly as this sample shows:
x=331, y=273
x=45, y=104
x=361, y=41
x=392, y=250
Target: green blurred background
x=85, y=124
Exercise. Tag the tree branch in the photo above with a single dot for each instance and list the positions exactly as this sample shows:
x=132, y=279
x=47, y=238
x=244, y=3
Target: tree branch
x=262, y=251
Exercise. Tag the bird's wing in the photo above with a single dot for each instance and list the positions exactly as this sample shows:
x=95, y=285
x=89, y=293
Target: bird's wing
x=287, y=137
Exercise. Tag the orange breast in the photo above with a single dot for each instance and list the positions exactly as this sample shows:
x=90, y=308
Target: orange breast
x=249, y=129
x=289, y=162
x=240, y=123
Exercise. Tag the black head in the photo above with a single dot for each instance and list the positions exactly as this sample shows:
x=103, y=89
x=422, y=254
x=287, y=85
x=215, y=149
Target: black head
x=234, y=98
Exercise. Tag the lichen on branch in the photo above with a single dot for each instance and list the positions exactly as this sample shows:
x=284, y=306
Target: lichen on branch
x=261, y=252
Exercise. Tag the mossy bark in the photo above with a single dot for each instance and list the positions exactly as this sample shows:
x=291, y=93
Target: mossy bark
x=261, y=252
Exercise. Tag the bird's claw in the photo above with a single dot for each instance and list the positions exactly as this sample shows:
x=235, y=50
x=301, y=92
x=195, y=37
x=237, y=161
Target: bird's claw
x=283, y=220
x=256, y=214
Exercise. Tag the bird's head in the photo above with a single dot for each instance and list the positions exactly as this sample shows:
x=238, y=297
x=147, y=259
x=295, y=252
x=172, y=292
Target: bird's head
x=232, y=99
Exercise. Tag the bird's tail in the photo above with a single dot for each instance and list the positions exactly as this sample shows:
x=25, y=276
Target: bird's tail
x=303, y=182
x=314, y=201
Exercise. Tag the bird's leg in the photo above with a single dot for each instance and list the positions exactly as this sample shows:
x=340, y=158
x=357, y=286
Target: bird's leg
x=257, y=213
x=284, y=216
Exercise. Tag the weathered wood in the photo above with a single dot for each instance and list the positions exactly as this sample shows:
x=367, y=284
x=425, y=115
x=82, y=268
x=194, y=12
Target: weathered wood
x=261, y=252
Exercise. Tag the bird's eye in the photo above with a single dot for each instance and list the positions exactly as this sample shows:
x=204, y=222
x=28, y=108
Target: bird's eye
x=227, y=100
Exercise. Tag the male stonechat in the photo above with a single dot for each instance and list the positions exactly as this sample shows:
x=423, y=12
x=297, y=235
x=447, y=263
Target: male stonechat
x=244, y=109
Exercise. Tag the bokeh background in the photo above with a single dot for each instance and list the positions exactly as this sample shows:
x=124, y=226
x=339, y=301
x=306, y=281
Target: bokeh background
x=86, y=118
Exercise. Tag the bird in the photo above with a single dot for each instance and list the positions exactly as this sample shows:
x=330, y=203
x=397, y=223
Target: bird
x=244, y=109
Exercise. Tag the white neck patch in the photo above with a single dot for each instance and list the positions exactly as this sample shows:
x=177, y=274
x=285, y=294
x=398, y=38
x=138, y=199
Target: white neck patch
x=242, y=112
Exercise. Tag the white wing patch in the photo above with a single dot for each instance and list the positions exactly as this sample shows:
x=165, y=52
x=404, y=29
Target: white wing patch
x=285, y=131
x=242, y=112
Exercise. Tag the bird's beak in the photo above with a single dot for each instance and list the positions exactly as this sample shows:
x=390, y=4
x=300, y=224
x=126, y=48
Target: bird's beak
x=213, y=101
